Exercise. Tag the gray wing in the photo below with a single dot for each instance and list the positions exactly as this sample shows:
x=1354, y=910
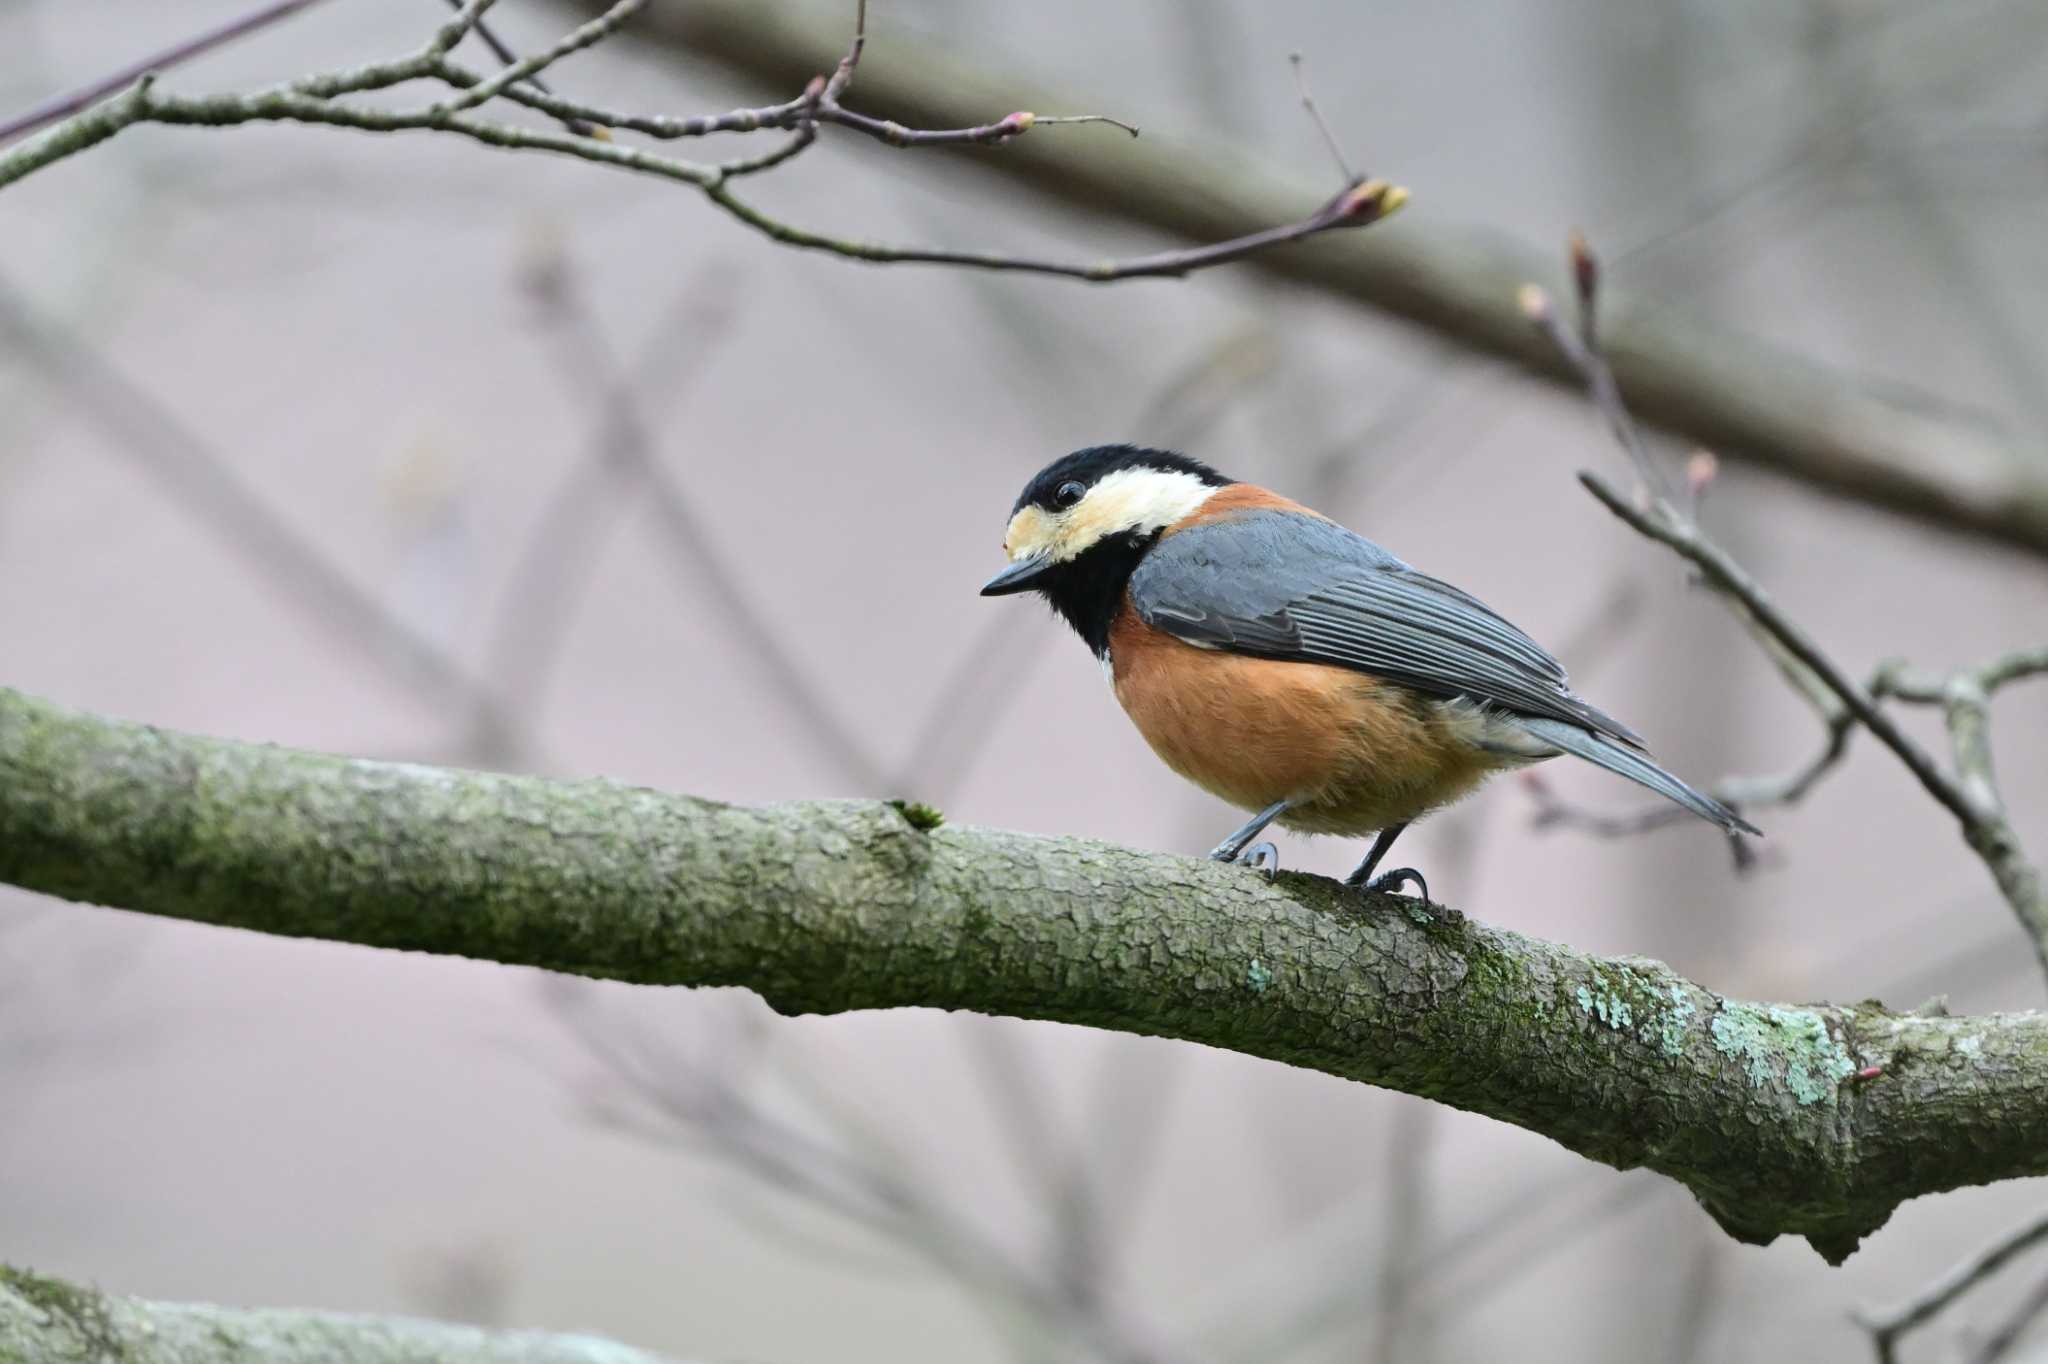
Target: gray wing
x=1278, y=584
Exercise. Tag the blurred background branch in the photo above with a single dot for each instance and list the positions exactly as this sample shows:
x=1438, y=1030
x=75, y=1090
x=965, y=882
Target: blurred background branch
x=317, y=99
x=1968, y=791
x=1910, y=452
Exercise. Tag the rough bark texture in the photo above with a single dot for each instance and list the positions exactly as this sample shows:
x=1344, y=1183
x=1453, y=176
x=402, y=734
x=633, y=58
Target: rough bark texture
x=1734, y=394
x=43, y=1320
x=1762, y=1110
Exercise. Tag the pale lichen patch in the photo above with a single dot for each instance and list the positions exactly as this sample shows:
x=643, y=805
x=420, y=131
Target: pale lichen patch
x=1775, y=1044
x=1257, y=977
x=1628, y=1001
x=1670, y=1030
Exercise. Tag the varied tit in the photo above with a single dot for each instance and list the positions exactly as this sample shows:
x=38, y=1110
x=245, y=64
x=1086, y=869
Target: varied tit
x=1292, y=668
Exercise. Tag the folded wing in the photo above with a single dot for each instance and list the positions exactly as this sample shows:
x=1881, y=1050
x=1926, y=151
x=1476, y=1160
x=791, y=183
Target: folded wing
x=1279, y=584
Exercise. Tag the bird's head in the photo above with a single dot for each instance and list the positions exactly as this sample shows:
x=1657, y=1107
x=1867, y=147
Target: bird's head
x=1105, y=503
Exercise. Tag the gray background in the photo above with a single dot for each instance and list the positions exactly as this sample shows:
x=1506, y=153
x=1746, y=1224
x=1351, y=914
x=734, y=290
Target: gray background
x=346, y=325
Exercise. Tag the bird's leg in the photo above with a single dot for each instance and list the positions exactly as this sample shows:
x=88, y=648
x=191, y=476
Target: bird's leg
x=1264, y=856
x=1389, y=882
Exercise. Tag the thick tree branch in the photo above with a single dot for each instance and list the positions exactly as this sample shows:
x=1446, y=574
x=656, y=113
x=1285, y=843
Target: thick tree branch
x=1811, y=1120
x=1908, y=452
x=48, y=1319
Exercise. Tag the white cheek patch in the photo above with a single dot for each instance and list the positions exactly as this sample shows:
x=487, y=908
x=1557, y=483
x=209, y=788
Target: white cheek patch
x=1140, y=500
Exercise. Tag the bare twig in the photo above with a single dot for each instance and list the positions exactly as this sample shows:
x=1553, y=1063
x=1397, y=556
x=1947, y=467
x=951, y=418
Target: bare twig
x=70, y=102
x=504, y=53
x=1354, y=207
x=1998, y=1344
x=316, y=100
x=1916, y=453
x=1308, y=102
x=1965, y=698
x=584, y=35
x=1969, y=792
x=547, y=579
x=593, y=367
x=857, y=1173
x=157, y=439
x=1886, y=1327
x=1582, y=355
x=1747, y=794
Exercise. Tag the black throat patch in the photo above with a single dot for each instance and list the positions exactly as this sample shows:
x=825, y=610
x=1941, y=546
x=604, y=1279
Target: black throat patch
x=1088, y=590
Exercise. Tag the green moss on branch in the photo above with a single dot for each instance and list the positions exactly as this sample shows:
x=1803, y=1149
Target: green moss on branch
x=44, y=1319
x=832, y=906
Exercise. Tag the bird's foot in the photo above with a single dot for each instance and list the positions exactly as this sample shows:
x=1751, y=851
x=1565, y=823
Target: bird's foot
x=1262, y=857
x=1391, y=882
x=1259, y=856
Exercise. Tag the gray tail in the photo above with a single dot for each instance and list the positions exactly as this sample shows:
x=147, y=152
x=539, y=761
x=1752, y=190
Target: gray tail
x=1583, y=743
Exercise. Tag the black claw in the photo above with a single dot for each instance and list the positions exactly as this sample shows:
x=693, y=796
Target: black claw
x=1391, y=882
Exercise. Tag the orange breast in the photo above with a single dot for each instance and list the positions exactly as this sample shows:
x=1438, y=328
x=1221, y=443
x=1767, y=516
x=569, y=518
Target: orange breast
x=1356, y=753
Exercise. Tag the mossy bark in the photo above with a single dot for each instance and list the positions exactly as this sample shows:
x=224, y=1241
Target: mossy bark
x=1768, y=1113
x=44, y=1320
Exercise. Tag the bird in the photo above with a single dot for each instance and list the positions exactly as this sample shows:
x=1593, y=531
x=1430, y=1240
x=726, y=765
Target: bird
x=1294, y=668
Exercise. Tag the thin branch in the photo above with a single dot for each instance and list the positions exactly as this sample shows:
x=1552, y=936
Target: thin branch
x=594, y=368
x=1998, y=1344
x=1886, y=1327
x=315, y=100
x=71, y=102
x=1308, y=104
x=1970, y=793
x=1662, y=524
x=582, y=36
x=1748, y=794
x=157, y=439
x=1969, y=796
x=506, y=56
x=1580, y=352
x=549, y=575
x=1913, y=451
x=665, y=1096
x=1356, y=207
x=788, y=115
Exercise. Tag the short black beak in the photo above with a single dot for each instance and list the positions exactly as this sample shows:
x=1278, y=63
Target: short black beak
x=1021, y=576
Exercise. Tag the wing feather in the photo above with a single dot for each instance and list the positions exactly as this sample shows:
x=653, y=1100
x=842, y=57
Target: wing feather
x=1279, y=584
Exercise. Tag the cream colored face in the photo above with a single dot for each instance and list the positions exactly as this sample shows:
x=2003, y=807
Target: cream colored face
x=1141, y=500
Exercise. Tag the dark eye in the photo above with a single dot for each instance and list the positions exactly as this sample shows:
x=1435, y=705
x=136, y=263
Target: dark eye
x=1067, y=494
